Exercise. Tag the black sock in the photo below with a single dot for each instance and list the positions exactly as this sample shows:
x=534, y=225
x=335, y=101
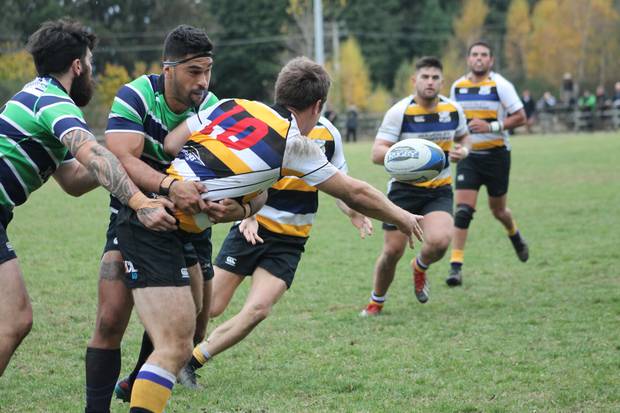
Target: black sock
x=194, y=363
x=456, y=265
x=145, y=351
x=516, y=240
x=102, y=370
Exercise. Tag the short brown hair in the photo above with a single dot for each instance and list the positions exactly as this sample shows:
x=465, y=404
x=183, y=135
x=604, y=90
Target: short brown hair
x=302, y=82
x=428, y=61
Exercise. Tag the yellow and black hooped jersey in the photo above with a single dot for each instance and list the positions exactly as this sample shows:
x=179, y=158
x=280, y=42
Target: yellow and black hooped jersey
x=292, y=203
x=492, y=99
x=240, y=148
x=406, y=119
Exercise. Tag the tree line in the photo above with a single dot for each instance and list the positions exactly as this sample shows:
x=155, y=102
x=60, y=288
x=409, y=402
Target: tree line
x=370, y=46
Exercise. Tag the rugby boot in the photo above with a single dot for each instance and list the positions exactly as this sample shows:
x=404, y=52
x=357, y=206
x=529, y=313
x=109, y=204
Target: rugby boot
x=372, y=309
x=455, y=277
x=187, y=377
x=520, y=246
x=420, y=284
x=122, y=390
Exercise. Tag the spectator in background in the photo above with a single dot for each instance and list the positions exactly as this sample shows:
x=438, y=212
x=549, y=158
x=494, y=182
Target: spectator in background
x=587, y=101
x=530, y=109
x=331, y=115
x=568, y=92
x=351, y=125
x=546, y=109
x=602, y=101
x=547, y=102
x=617, y=95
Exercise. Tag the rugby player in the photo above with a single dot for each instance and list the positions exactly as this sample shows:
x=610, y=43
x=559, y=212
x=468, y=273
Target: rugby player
x=492, y=107
x=426, y=115
x=236, y=146
x=268, y=246
x=42, y=129
x=143, y=112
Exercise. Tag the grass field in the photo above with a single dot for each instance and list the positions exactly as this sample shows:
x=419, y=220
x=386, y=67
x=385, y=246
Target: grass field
x=542, y=336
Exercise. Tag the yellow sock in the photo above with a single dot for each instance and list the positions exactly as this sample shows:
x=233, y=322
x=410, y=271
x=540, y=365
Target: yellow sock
x=200, y=354
x=457, y=256
x=512, y=230
x=152, y=389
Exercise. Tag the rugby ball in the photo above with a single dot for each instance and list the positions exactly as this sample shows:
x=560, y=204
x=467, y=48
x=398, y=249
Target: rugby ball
x=414, y=160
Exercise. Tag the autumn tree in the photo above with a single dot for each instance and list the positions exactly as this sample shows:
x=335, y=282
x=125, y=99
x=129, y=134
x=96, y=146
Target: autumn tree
x=352, y=86
x=518, y=29
x=468, y=27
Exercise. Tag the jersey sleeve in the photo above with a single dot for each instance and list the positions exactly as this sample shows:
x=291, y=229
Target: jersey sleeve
x=200, y=120
x=59, y=115
x=392, y=122
x=305, y=160
x=128, y=111
x=508, y=96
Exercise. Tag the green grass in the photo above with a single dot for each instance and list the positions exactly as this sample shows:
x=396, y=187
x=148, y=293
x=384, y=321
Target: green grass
x=542, y=336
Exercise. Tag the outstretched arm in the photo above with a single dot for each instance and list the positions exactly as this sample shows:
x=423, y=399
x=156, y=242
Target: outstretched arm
x=176, y=139
x=110, y=174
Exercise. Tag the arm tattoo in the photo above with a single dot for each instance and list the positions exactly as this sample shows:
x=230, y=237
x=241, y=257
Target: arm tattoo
x=104, y=166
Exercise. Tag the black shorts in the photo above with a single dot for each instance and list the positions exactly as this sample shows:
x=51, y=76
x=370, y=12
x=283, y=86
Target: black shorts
x=7, y=252
x=279, y=254
x=197, y=247
x=152, y=258
x=419, y=201
x=491, y=169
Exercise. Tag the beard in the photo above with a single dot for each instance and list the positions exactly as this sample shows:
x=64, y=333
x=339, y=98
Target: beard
x=82, y=89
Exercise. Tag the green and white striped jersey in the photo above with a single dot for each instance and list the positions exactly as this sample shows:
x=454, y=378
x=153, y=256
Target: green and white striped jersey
x=140, y=107
x=32, y=124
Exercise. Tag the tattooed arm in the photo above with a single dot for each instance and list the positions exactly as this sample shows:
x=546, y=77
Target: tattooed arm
x=109, y=172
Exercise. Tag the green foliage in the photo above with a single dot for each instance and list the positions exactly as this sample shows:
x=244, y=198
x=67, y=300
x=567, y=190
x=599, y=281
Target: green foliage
x=516, y=337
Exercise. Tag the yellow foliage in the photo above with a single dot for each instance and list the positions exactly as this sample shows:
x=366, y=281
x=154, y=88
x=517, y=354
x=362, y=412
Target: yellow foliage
x=581, y=37
x=467, y=29
x=114, y=76
x=468, y=26
x=379, y=100
x=402, y=79
x=518, y=28
x=17, y=67
x=140, y=68
x=354, y=78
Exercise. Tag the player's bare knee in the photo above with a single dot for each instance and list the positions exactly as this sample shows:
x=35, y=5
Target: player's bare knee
x=436, y=247
x=463, y=216
x=393, y=253
x=258, y=312
x=217, y=307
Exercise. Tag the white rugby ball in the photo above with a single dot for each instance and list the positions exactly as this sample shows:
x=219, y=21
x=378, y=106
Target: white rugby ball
x=414, y=160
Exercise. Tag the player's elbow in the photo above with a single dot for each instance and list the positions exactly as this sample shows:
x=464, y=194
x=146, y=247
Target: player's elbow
x=376, y=158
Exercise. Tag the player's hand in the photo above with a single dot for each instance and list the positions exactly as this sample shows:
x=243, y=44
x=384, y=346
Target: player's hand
x=479, y=126
x=154, y=216
x=458, y=152
x=226, y=210
x=363, y=224
x=186, y=196
x=411, y=226
x=249, y=228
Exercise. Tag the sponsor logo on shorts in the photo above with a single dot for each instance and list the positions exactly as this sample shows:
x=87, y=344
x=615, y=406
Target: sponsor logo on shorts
x=9, y=246
x=115, y=241
x=232, y=261
x=184, y=273
x=460, y=177
x=131, y=270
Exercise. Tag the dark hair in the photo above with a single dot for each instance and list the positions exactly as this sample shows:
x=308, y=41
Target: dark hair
x=428, y=61
x=57, y=44
x=186, y=40
x=480, y=43
x=302, y=82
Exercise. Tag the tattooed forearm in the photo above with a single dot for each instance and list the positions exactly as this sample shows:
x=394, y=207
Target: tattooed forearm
x=104, y=166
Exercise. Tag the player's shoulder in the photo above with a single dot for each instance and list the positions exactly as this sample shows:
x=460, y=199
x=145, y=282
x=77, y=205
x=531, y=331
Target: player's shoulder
x=145, y=85
x=460, y=81
x=325, y=130
x=499, y=80
x=444, y=100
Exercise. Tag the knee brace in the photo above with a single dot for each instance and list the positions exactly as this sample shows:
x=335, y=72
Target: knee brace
x=464, y=215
